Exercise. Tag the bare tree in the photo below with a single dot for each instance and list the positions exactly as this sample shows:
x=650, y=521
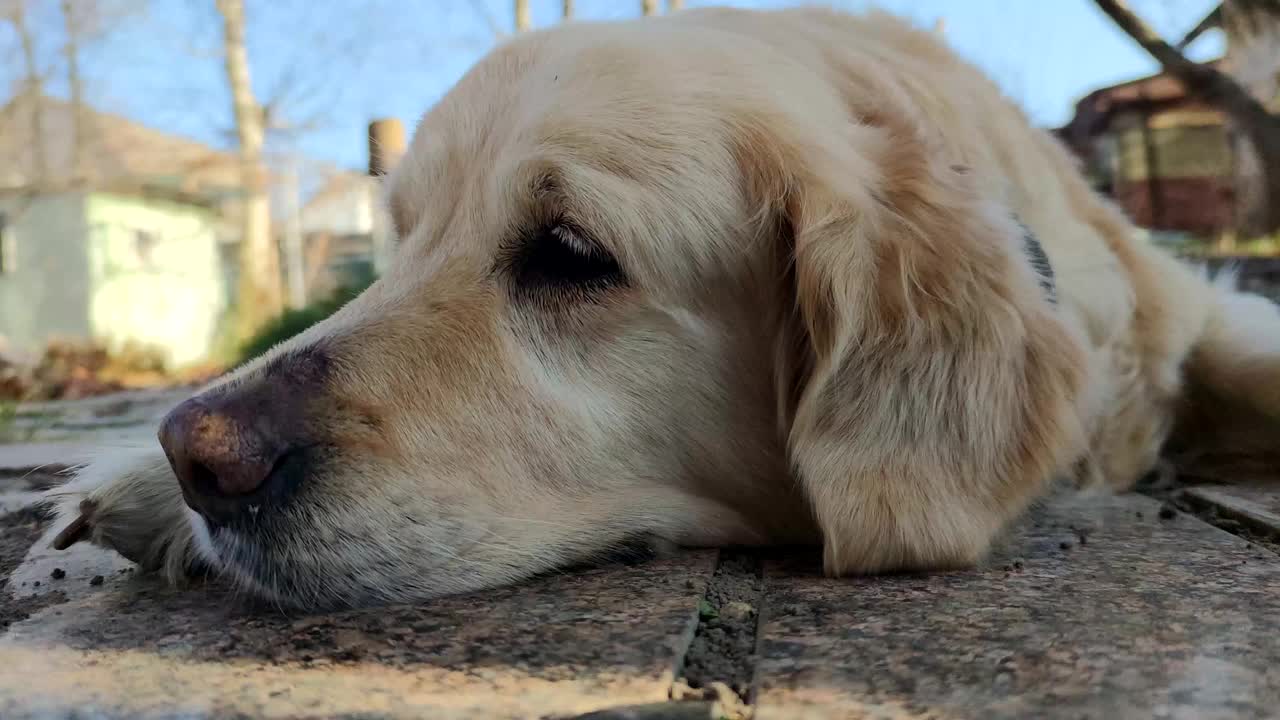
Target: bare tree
x=497, y=28
x=1249, y=116
x=80, y=23
x=1252, y=29
x=649, y=7
x=73, y=16
x=259, y=296
x=524, y=21
x=32, y=87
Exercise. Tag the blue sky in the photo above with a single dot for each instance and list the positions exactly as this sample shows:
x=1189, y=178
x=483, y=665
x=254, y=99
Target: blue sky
x=346, y=61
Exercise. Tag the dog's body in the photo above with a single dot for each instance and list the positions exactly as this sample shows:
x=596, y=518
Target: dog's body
x=721, y=277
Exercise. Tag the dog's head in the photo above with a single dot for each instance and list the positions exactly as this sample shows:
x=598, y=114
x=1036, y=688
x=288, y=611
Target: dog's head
x=653, y=279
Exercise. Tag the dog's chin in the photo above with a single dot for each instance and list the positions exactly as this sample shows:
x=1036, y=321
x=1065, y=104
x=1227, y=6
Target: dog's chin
x=234, y=558
x=267, y=563
x=256, y=574
x=275, y=563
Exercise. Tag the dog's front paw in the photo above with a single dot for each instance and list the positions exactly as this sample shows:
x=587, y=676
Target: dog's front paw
x=129, y=501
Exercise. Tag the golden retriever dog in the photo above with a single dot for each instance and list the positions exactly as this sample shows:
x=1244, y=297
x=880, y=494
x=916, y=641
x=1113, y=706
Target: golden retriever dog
x=721, y=277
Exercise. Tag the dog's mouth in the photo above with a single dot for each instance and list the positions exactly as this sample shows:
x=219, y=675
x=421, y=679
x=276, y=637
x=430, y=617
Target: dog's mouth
x=269, y=543
x=305, y=557
x=286, y=561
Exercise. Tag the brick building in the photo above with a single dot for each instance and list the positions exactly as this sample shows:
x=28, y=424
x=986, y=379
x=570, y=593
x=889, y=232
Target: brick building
x=1171, y=161
x=1168, y=159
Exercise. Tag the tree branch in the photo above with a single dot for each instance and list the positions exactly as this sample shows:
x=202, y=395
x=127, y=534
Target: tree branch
x=1148, y=39
x=1202, y=80
x=73, y=24
x=1209, y=22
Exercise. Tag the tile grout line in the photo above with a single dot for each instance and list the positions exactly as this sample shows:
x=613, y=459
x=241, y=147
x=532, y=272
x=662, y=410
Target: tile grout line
x=703, y=694
x=1177, y=497
x=719, y=662
x=1229, y=520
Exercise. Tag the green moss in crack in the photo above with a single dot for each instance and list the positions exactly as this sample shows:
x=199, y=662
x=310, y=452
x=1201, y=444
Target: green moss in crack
x=8, y=413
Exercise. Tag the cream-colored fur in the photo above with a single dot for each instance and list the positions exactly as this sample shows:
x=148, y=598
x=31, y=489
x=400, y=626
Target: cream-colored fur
x=828, y=329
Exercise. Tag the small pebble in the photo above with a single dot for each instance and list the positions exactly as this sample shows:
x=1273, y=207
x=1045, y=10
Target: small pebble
x=736, y=611
x=96, y=580
x=1065, y=545
x=58, y=574
x=681, y=690
x=36, y=583
x=1168, y=512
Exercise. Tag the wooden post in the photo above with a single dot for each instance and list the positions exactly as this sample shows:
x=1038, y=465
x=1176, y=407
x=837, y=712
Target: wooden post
x=524, y=21
x=386, y=145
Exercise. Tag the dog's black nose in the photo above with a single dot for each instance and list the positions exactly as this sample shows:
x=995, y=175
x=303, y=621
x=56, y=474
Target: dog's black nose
x=222, y=455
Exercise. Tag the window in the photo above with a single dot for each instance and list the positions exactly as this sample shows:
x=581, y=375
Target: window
x=8, y=249
x=144, y=243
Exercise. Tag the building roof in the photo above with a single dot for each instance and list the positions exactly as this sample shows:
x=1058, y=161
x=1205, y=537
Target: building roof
x=1094, y=110
x=338, y=185
x=118, y=154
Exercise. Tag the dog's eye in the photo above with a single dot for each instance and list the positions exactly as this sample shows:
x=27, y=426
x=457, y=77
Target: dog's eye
x=558, y=257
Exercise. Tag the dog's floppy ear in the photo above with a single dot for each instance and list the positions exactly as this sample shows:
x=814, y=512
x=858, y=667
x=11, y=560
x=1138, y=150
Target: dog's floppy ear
x=928, y=385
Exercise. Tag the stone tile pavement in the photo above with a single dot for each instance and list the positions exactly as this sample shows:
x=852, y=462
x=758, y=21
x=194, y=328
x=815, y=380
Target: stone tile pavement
x=106, y=418
x=1096, y=607
x=1102, y=608
x=45, y=457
